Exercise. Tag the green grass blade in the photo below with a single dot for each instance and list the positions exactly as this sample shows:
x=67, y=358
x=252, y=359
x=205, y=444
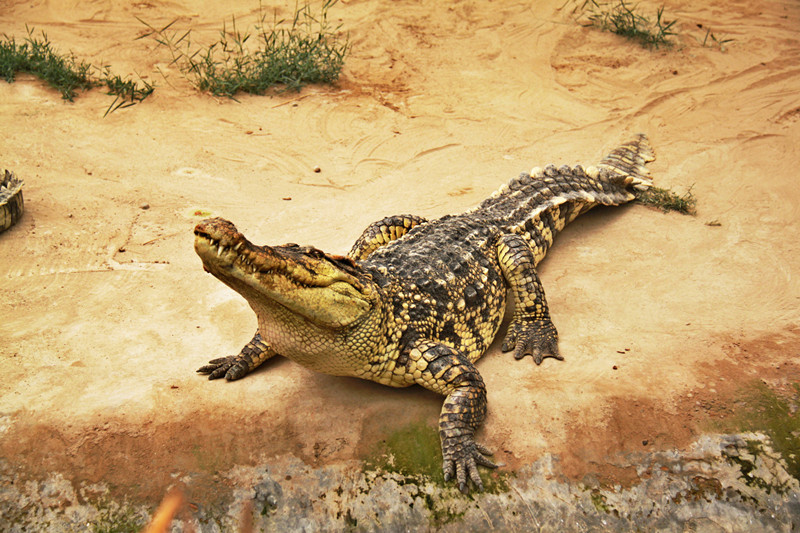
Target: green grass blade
x=286, y=55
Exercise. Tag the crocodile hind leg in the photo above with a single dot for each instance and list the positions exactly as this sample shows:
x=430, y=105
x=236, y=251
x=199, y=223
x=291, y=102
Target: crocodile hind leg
x=234, y=367
x=383, y=232
x=444, y=370
x=531, y=331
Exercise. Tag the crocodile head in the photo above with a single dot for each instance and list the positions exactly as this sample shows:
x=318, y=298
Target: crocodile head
x=327, y=290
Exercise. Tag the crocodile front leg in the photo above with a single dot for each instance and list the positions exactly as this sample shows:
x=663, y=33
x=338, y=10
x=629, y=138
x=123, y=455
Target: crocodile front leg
x=444, y=370
x=381, y=233
x=234, y=367
x=531, y=331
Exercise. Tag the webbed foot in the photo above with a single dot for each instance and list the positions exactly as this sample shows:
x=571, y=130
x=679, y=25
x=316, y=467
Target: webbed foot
x=231, y=368
x=537, y=338
x=238, y=366
x=462, y=455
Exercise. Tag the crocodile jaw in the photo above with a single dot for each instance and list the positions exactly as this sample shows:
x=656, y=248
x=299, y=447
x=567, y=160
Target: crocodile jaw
x=323, y=289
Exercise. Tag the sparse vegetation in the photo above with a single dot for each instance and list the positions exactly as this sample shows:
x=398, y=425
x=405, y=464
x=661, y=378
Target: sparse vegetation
x=115, y=518
x=624, y=19
x=667, y=200
x=37, y=57
x=765, y=410
x=601, y=503
x=127, y=92
x=287, y=55
x=412, y=456
x=412, y=450
x=715, y=42
x=63, y=72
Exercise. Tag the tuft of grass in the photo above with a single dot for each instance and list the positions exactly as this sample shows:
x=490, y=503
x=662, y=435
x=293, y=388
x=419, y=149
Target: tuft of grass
x=38, y=57
x=623, y=19
x=127, y=92
x=667, y=200
x=715, y=42
x=63, y=72
x=286, y=54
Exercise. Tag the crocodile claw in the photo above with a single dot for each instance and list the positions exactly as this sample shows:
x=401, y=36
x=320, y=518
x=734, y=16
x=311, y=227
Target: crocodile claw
x=537, y=338
x=231, y=368
x=462, y=455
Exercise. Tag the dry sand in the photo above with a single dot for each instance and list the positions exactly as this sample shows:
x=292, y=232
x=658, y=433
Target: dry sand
x=106, y=311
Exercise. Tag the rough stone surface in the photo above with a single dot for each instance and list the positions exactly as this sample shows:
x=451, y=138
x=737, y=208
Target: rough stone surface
x=664, y=319
x=721, y=483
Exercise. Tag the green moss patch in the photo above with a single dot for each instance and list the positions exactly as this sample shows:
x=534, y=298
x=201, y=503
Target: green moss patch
x=774, y=414
x=413, y=451
x=601, y=503
x=412, y=456
x=116, y=518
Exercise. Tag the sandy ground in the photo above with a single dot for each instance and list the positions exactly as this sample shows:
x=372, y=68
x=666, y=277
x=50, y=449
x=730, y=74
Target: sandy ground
x=106, y=312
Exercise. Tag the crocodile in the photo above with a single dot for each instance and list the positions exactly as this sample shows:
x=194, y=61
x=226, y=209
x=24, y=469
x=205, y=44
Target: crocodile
x=418, y=301
x=11, y=202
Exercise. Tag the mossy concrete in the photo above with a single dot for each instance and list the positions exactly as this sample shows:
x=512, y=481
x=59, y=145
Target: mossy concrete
x=773, y=414
x=735, y=482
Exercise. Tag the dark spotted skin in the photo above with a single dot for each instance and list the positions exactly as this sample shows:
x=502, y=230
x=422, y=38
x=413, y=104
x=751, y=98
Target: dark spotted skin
x=442, y=288
x=458, y=295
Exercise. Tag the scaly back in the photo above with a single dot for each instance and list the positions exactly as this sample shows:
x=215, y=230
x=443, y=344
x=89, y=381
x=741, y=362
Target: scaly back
x=538, y=205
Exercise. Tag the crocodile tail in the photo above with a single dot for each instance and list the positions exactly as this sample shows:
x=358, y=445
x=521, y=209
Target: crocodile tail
x=626, y=164
x=11, y=203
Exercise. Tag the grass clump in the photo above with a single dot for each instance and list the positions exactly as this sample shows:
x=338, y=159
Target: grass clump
x=63, y=72
x=289, y=54
x=38, y=57
x=127, y=91
x=623, y=19
x=667, y=200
